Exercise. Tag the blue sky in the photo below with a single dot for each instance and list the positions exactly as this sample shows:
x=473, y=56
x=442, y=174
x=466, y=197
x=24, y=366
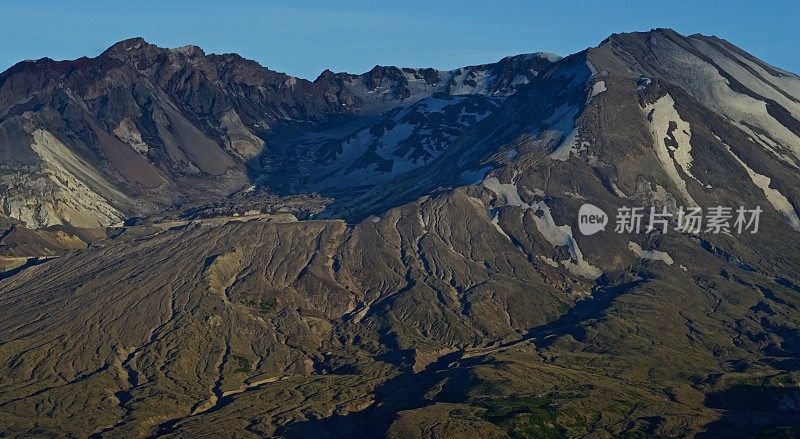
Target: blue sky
x=304, y=37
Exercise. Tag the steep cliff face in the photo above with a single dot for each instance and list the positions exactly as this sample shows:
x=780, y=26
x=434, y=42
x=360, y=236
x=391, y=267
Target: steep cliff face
x=148, y=125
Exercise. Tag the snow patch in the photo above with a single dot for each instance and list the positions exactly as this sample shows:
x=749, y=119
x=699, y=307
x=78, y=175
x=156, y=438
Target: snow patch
x=562, y=129
x=507, y=191
x=775, y=198
x=617, y=191
x=552, y=57
x=597, y=88
x=568, y=147
x=660, y=113
x=653, y=255
x=557, y=236
x=705, y=83
x=392, y=138
x=496, y=223
x=474, y=176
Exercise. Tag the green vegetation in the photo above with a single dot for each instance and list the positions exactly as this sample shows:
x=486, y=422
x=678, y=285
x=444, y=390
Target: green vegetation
x=524, y=417
x=268, y=305
x=243, y=364
x=265, y=306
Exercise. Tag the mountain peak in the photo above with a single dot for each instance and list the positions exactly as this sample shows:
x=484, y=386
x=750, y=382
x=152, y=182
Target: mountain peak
x=137, y=50
x=552, y=57
x=128, y=45
x=189, y=50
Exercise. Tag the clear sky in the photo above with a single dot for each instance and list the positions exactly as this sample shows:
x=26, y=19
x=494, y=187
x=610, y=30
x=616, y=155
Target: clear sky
x=303, y=37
